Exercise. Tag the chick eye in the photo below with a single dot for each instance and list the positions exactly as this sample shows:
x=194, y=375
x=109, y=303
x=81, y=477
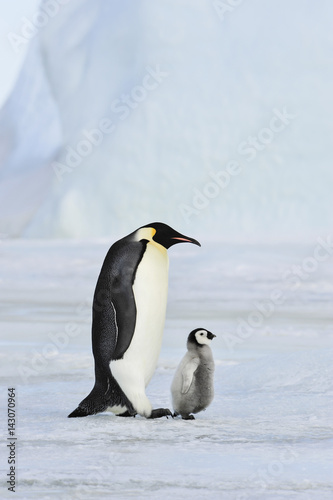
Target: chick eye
x=201, y=333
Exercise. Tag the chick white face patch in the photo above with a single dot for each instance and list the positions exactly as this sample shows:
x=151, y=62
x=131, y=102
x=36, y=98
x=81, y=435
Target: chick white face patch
x=201, y=336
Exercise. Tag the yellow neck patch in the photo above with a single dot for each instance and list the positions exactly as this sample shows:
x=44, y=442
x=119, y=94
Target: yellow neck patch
x=147, y=233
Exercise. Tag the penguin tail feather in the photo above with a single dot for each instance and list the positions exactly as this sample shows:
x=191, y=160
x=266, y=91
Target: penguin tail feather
x=95, y=402
x=89, y=406
x=99, y=400
x=79, y=412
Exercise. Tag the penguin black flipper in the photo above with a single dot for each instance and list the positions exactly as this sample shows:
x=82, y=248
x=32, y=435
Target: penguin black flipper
x=114, y=309
x=113, y=325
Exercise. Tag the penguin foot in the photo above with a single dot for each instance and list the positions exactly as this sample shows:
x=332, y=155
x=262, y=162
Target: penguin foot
x=126, y=414
x=161, y=412
x=188, y=417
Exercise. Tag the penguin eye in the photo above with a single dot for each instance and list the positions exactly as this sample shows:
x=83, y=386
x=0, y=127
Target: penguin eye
x=201, y=333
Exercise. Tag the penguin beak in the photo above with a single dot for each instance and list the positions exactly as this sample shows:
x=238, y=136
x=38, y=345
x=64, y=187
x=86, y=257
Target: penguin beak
x=210, y=336
x=185, y=239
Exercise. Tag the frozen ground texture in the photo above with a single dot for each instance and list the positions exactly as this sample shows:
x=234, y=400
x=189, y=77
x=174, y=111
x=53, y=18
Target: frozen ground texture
x=268, y=432
x=220, y=79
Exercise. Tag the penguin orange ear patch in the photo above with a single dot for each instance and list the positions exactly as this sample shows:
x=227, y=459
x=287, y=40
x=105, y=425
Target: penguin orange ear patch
x=181, y=239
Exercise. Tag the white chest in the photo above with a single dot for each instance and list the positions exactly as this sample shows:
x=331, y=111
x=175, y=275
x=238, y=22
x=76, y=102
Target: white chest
x=150, y=292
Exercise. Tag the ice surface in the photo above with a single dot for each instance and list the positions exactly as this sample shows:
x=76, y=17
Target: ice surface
x=266, y=435
x=220, y=80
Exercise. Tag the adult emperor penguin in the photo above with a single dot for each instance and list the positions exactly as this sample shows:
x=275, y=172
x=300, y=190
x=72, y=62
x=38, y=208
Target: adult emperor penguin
x=129, y=308
x=192, y=387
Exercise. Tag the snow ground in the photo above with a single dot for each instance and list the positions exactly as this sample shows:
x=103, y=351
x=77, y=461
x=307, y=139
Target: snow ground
x=268, y=432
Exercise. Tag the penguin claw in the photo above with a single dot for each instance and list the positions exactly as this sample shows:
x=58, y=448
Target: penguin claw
x=188, y=417
x=161, y=412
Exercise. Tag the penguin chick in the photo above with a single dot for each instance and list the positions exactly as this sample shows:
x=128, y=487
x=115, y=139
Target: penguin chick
x=192, y=387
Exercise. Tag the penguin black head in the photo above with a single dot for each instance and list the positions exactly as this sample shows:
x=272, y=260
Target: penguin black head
x=200, y=337
x=164, y=235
